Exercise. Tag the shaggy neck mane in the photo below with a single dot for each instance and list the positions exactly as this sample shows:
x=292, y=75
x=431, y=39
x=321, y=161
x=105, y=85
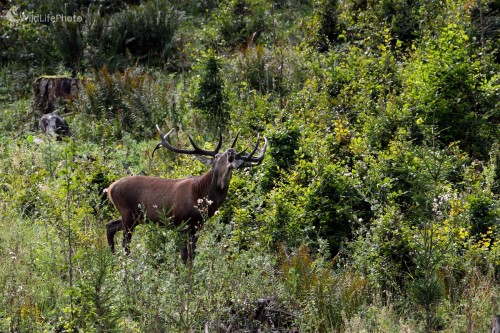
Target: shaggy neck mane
x=205, y=187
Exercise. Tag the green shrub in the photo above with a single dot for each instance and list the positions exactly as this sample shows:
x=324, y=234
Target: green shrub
x=327, y=296
x=334, y=207
x=328, y=26
x=69, y=43
x=125, y=102
x=444, y=69
x=239, y=21
x=145, y=33
x=483, y=214
x=210, y=95
x=284, y=145
x=25, y=42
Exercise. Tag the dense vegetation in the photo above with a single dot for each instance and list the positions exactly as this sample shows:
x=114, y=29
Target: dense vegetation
x=376, y=209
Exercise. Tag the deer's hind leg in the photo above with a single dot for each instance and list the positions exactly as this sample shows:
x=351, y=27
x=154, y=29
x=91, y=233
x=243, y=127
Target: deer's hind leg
x=129, y=223
x=111, y=229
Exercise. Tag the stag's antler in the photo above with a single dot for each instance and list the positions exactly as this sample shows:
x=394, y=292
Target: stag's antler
x=250, y=158
x=196, y=151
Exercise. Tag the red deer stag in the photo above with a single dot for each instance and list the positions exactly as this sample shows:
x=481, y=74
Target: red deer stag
x=139, y=197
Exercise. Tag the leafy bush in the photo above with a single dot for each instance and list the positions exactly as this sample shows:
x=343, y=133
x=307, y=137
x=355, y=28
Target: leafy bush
x=25, y=42
x=129, y=102
x=258, y=71
x=239, y=21
x=284, y=144
x=328, y=296
x=444, y=69
x=146, y=33
x=70, y=44
x=483, y=214
x=329, y=29
x=334, y=207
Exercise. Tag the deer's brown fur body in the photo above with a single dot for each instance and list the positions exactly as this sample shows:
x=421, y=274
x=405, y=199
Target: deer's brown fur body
x=159, y=198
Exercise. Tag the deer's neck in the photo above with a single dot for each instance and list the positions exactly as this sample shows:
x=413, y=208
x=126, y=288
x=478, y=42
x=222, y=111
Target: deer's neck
x=207, y=189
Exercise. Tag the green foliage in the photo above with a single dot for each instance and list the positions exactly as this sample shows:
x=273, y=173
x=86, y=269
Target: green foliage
x=25, y=42
x=69, y=42
x=145, y=33
x=96, y=307
x=402, y=17
x=483, y=214
x=329, y=297
x=284, y=143
x=17, y=117
x=238, y=22
x=97, y=47
x=334, y=206
x=210, y=96
x=259, y=72
x=326, y=19
x=494, y=169
x=427, y=293
x=129, y=102
x=445, y=69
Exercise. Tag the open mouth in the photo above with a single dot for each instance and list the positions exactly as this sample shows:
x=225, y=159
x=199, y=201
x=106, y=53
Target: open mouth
x=231, y=154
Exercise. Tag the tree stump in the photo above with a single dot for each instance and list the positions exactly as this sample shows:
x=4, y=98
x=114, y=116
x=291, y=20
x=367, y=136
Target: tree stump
x=48, y=91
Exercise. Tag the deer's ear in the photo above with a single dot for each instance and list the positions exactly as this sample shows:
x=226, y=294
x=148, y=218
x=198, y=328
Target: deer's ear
x=204, y=159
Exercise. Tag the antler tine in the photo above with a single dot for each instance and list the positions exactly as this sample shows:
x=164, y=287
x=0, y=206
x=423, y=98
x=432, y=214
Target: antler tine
x=257, y=160
x=157, y=146
x=235, y=138
x=219, y=145
x=167, y=145
x=255, y=148
x=163, y=140
x=207, y=152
